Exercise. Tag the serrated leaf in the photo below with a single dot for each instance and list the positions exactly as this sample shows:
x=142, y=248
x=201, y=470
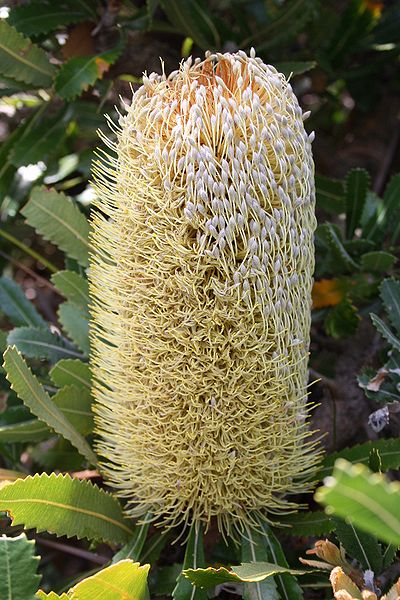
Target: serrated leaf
x=71, y=372
x=51, y=596
x=16, y=306
x=125, y=580
x=31, y=392
x=211, y=577
x=371, y=500
x=389, y=451
x=356, y=186
x=135, y=545
x=27, y=431
x=18, y=565
x=390, y=294
x=73, y=287
x=40, y=141
x=329, y=235
x=342, y=320
x=314, y=523
x=253, y=549
x=359, y=545
x=55, y=217
x=77, y=74
x=194, y=559
x=75, y=323
x=22, y=60
x=40, y=343
x=385, y=331
x=295, y=67
x=245, y=573
x=42, y=17
x=62, y=505
x=330, y=194
x=377, y=261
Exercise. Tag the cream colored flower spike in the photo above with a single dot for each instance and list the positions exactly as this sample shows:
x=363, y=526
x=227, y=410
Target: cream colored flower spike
x=201, y=274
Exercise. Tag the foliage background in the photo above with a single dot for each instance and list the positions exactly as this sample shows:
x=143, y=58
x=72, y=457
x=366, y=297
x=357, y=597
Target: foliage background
x=62, y=66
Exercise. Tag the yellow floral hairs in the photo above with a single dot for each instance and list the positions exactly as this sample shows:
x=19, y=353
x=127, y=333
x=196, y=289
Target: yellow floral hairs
x=201, y=274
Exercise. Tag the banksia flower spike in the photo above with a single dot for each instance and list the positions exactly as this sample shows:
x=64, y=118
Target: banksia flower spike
x=201, y=274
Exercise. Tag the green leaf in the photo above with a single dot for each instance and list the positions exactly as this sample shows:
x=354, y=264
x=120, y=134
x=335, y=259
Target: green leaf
x=135, y=545
x=27, y=431
x=194, y=558
x=75, y=403
x=245, y=573
x=18, y=565
x=387, y=219
x=330, y=194
x=389, y=451
x=261, y=570
x=7, y=170
x=295, y=67
x=42, y=17
x=162, y=580
x=75, y=323
x=342, y=320
x=40, y=343
x=16, y=306
x=288, y=587
x=51, y=596
x=357, y=247
x=71, y=372
x=385, y=331
x=360, y=545
x=330, y=237
x=125, y=580
x=368, y=498
x=210, y=577
x=314, y=523
x=389, y=555
x=39, y=142
x=292, y=17
x=375, y=461
x=390, y=294
x=22, y=60
x=253, y=549
x=62, y=505
x=77, y=74
x=391, y=206
x=356, y=186
x=59, y=220
x=192, y=19
x=378, y=261
x=28, y=388
x=73, y=286
x=264, y=546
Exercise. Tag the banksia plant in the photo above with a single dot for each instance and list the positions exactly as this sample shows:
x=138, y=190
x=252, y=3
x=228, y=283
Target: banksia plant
x=201, y=274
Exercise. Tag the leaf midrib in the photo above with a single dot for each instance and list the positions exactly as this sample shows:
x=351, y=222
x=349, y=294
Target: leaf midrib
x=63, y=223
x=23, y=60
x=72, y=508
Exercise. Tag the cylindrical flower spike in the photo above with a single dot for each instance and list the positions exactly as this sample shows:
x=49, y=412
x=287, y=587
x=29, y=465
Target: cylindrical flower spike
x=201, y=274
